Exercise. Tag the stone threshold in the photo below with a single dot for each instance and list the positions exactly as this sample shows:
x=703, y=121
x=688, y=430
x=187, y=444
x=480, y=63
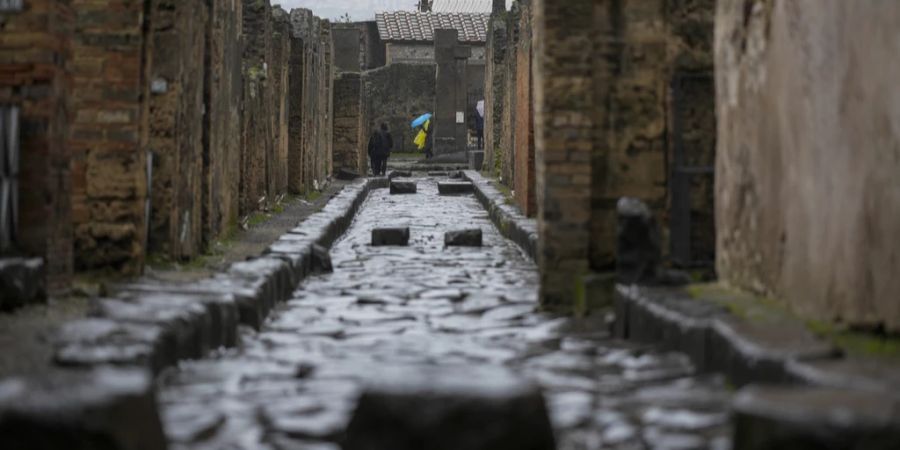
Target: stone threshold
x=148, y=326
x=773, y=359
x=512, y=224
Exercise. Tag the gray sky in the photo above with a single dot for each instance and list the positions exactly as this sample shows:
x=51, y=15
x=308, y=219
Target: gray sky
x=358, y=9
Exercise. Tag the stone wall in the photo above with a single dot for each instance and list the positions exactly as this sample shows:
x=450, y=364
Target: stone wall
x=808, y=195
x=494, y=90
x=396, y=95
x=422, y=53
x=349, y=123
x=310, y=96
x=109, y=134
x=35, y=59
x=176, y=126
x=222, y=143
x=523, y=117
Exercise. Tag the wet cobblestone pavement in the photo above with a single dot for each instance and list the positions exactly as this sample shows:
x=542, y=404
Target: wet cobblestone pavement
x=294, y=384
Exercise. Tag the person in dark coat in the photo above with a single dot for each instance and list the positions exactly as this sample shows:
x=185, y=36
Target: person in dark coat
x=380, y=145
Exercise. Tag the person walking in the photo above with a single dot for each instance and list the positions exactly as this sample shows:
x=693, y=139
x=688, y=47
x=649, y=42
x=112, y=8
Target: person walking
x=380, y=145
x=479, y=124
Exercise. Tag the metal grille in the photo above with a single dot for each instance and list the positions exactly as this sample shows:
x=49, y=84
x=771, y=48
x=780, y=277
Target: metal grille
x=11, y=5
x=692, y=177
x=9, y=171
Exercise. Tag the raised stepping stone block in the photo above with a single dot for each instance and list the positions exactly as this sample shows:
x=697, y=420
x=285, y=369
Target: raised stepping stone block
x=99, y=409
x=463, y=238
x=798, y=417
x=346, y=175
x=455, y=188
x=444, y=408
x=22, y=282
x=399, y=174
x=403, y=187
x=390, y=237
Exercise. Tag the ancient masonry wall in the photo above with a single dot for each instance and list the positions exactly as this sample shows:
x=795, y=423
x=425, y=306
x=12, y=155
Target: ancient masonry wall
x=152, y=126
x=523, y=116
x=494, y=91
x=176, y=126
x=109, y=135
x=395, y=95
x=808, y=198
x=35, y=63
x=310, y=98
x=349, y=123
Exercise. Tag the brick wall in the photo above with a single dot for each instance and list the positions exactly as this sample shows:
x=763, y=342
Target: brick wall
x=523, y=117
x=35, y=58
x=494, y=91
x=280, y=70
x=109, y=133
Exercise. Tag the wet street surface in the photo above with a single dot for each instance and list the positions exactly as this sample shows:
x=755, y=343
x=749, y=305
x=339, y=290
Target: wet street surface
x=294, y=385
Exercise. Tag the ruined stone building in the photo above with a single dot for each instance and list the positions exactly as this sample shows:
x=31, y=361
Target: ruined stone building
x=588, y=102
x=153, y=126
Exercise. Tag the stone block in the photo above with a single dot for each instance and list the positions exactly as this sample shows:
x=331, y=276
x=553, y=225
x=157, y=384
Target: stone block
x=97, y=342
x=437, y=174
x=22, y=281
x=346, y=174
x=105, y=408
x=403, y=187
x=390, y=236
x=792, y=418
x=399, y=174
x=455, y=188
x=638, y=253
x=441, y=408
x=321, y=259
x=463, y=238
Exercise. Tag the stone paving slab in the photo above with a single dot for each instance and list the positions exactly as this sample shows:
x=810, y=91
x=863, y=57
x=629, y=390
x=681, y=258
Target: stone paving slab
x=295, y=383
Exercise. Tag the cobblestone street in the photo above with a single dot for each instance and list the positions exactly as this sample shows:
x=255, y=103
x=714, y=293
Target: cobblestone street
x=392, y=310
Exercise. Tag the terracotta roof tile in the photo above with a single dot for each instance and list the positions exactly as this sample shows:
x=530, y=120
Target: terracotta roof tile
x=419, y=27
x=462, y=6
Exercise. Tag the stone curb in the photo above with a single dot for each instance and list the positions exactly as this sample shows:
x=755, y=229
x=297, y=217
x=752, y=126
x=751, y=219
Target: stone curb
x=512, y=223
x=751, y=354
x=153, y=325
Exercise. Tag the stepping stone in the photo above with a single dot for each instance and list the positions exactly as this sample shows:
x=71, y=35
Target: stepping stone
x=455, y=188
x=450, y=408
x=403, y=187
x=463, y=238
x=103, y=408
x=390, y=237
x=399, y=174
x=346, y=175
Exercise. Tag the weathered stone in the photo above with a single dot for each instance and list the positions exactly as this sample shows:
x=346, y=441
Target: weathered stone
x=346, y=174
x=455, y=188
x=22, y=281
x=638, y=255
x=321, y=260
x=782, y=418
x=463, y=238
x=471, y=408
x=100, y=409
x=98, y=342
x=403, y=187
x=399, y=174
x=390, y=236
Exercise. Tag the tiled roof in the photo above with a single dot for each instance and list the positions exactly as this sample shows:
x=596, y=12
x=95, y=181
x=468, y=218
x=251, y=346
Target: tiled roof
x=419, y=27
x=462, y=6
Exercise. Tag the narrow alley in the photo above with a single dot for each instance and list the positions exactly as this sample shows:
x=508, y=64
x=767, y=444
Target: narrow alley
x=398, y=310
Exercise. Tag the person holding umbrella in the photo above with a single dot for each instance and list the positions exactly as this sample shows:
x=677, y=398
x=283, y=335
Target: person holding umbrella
x=380, y=145
x=424, y=139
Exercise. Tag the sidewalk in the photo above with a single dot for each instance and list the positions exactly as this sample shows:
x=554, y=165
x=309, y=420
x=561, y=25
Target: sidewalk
x=26, y=335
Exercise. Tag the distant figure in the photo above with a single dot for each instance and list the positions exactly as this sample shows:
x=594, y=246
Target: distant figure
x=424, y=140
x=479, y=123
x=380, y=145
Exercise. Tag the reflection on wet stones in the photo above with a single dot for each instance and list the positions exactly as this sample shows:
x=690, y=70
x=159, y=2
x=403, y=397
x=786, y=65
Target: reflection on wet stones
x=295, y=383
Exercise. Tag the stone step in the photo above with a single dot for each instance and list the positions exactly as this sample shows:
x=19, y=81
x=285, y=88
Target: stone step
x=463, y=238
x=455, y=188
x=403, y=187
x=390, y=237
x=450, y=408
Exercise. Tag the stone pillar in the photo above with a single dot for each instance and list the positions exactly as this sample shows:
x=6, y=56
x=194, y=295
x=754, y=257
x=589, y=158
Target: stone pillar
x=34, y=60
x=450, y=104
x=564, y=129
